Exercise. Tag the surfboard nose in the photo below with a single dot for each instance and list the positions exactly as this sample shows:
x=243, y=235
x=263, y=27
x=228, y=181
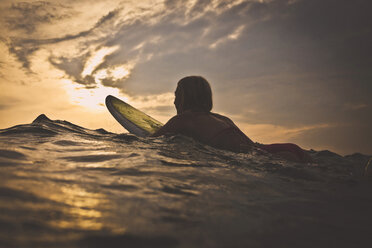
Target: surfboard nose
x=108, y=99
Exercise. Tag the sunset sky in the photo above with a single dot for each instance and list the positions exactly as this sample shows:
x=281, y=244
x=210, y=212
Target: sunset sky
x=283, y=70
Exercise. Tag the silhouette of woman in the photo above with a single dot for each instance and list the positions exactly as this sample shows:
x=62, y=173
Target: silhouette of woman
x=193, y=101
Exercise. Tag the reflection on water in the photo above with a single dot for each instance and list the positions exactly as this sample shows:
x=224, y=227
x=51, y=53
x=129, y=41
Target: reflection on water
x=65, y=186
x=81, y=207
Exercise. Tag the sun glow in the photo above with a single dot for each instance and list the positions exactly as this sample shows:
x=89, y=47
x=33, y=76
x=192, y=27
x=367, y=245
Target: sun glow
x=93, y=99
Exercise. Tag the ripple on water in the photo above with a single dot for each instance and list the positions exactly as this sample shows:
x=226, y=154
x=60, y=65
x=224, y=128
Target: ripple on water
x=20, y=195
x=28, y=148
x=28, y=130
x=121, y=187
x=128, y=240
x=125, y=137
x=12, y=155
x=12, y=158
x=66, y=143
x=92, y=158
x=132, y=172
x=174, y=164
x=177, y=190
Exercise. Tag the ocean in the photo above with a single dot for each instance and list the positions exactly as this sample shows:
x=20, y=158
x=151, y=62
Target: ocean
x=62, y=185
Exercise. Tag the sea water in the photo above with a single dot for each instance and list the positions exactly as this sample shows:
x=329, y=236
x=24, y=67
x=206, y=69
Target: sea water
x=62, y=185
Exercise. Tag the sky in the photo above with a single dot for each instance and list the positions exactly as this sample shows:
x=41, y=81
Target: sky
x=283, y=70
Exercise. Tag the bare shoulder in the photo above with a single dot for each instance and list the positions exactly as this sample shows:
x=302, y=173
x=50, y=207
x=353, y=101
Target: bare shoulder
x=222, y=117
x=172, y=126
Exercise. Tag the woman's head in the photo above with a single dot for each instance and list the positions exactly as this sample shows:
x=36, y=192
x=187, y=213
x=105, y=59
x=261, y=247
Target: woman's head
x=193, y=93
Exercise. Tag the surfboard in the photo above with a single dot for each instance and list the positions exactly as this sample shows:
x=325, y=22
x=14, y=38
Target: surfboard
x=132, y=119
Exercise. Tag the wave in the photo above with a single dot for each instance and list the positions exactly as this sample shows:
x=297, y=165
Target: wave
x=175, y=147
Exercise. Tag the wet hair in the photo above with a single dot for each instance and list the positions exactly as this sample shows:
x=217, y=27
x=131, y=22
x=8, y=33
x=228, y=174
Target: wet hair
x=193, y=93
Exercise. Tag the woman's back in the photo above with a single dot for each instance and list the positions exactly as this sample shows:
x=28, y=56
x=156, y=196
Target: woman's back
x=210, y=128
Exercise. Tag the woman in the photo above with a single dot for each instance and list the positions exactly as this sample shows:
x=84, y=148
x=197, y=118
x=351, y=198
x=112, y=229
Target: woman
x=193, y=101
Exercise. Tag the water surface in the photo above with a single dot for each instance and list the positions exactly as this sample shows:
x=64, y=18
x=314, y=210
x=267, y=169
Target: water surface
x=62, y=185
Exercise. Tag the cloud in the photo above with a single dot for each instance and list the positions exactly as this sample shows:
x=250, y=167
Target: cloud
x=22, y=52
x=233, y=36
x=106, y=18
x=92, y=69
x=355, y=106
x=345, y=139
x=72, y=66
x=96, y=59
x=259, y=133
x=23, y=48
x=27, y=16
